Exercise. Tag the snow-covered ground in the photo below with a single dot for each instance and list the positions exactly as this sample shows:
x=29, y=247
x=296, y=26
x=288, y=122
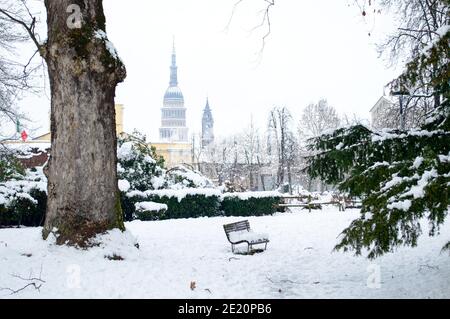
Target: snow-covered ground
x=299, y=263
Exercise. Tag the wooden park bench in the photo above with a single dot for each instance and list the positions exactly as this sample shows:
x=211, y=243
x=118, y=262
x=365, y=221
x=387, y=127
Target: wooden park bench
x=240, y=233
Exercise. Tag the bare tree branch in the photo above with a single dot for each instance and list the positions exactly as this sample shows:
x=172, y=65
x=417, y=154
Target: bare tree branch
x=17, y=26
x=35, y=282
x=29, y=28
x=32, y=284
x=265, y=21
x=232, y=14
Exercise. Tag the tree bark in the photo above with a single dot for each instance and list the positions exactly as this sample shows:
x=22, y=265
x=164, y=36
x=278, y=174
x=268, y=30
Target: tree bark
x=261, y=176
x=289, y=177
x=83, y=195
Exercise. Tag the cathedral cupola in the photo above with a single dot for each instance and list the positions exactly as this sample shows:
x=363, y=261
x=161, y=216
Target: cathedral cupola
x=173, y=117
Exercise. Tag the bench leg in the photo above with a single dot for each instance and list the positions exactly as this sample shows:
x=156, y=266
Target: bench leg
x=232, y=248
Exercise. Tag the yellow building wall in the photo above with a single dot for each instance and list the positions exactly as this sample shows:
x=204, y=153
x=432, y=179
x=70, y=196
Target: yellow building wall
x=119, y=119
x=174, y=153
x=44, y=138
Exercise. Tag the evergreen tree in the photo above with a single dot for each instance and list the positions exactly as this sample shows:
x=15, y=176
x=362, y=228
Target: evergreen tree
x=401, y=176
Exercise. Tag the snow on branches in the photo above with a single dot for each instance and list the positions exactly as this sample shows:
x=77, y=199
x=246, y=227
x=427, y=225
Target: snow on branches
x=402, y=177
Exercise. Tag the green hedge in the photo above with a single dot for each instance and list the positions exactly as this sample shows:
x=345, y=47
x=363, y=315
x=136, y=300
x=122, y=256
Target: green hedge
x=189, y=206
x=147, y=216
x=252, y=206
x=202, y=205
x=128, y=208
x=6, y=217
x=150, y=213
x=22, y=211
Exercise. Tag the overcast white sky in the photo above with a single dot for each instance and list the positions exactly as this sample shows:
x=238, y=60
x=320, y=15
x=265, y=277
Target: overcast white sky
x=317, y=48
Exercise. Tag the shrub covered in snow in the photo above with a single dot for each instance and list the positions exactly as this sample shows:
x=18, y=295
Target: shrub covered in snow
x=10, y=166
x=183, y=177
x=139, y=167
x=23, y=201
x=25, y=210
x=250, y=203
x=143, y=178
x=146, y=211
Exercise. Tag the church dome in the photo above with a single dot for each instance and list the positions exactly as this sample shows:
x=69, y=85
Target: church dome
x=174, y=93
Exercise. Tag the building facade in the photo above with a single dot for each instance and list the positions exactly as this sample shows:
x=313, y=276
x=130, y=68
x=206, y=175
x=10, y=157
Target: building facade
x=207, y=126
x=380, y=114
x=387, y=113
x=173, y=113
x=174, y=153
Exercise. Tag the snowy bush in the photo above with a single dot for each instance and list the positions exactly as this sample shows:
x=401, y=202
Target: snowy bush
x=250, y=203
x=23, y=201
x=143, y=178
x=139, y=167
x=26, y=209
x=10, y=166
x=146, y=211
x=401, y=176
x=182, y=177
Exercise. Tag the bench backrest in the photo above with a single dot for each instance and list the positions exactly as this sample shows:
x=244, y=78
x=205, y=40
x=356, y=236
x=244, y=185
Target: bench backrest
x=239, y=226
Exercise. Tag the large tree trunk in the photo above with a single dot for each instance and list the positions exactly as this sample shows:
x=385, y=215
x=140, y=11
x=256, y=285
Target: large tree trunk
x=83, y=196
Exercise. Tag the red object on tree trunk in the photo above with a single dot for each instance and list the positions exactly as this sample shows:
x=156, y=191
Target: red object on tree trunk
x=24, y=136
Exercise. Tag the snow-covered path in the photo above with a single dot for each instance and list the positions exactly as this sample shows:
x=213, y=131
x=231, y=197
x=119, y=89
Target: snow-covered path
x=299, y=263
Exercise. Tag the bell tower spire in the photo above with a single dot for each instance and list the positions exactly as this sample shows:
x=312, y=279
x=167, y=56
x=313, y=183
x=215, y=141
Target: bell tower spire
x=207, y=125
